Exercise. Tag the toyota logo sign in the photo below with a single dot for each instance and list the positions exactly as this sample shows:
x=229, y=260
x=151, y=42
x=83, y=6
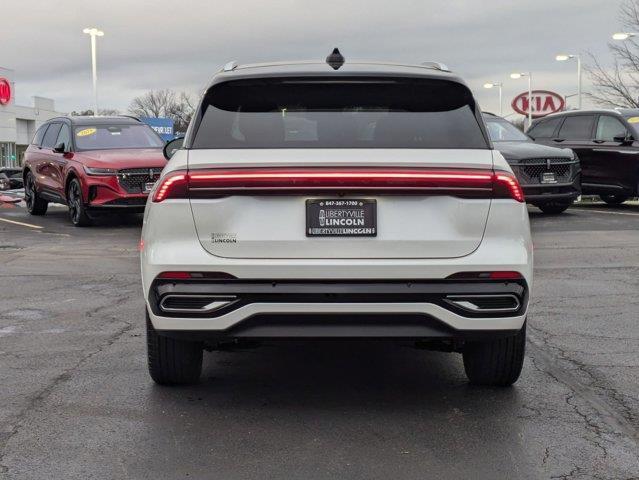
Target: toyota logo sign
x=544, y=103
x=5, y=91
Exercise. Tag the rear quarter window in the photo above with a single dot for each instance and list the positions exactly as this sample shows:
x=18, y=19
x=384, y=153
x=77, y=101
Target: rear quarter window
x=358, y=112
x=545, y=128
x=577, y=127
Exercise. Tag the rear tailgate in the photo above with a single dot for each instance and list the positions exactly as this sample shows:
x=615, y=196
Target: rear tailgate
x=270, y=225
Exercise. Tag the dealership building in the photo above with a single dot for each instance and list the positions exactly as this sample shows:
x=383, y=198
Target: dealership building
x=19, y=123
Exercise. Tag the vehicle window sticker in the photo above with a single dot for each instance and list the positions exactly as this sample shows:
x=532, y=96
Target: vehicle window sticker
x=86, y=132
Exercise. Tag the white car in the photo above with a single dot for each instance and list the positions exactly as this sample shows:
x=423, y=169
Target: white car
x=337, y=200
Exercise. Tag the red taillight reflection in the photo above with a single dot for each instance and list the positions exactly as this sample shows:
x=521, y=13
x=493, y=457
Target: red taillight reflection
x=498, y=275
x=462, y=183
x=505, y=275
x=195, y=276
x=175, y=275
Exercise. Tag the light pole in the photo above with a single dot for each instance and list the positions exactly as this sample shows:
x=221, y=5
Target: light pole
x=529, y=75
x=623, y=35
x=94, y=32
x=563, y=58
x=498, y=85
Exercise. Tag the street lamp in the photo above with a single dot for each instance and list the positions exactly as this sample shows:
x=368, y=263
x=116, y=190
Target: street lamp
x=498, y=85
x=94, y=32
x=623, y=35
x=515, y=76
x=563, y=58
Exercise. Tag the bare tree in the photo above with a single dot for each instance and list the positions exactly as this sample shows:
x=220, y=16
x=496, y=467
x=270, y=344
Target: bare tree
x=105, y=112
x=155, y=103
x=165, y=103
x=108, y=112
x=182, y=112
x=619, y=86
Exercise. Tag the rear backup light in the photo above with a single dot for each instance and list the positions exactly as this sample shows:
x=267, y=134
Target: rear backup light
x=462, y=183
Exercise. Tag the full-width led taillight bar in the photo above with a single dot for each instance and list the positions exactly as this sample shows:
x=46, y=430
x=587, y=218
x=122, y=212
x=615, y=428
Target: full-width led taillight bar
x=247, y=181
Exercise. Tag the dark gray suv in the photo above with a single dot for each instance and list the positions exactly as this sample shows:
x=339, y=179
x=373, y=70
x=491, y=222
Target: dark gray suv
x=549, y=176
x=607, y=143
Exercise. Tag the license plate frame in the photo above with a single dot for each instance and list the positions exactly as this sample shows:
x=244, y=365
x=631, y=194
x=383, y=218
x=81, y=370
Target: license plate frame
x=548, y=178
x=341, y=217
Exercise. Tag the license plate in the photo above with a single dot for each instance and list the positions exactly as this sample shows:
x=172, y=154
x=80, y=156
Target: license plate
x=341, y=218
x=148, y=186
x=548, y=177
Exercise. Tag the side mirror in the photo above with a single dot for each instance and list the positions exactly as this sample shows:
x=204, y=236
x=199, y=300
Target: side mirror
x=60, y=148
x=625, y=139
x=173, y=146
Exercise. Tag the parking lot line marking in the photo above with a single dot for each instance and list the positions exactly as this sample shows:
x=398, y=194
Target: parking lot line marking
x=20, y=223
x=613, y=213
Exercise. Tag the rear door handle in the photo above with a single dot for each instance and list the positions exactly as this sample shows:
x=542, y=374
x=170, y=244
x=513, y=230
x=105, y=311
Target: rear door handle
x=598, y=141
x=558, y=140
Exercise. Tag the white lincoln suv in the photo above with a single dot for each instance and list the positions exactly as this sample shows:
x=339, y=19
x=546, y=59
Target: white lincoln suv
x=337, y=200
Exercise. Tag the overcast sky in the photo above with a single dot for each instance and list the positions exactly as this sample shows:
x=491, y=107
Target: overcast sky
x=179, y=44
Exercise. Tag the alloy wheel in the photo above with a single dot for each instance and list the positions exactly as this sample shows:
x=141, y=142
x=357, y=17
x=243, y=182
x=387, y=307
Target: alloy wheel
x=74, y=202
x=29, y=193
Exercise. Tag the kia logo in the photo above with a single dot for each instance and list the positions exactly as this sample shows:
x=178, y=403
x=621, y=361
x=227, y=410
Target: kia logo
x=543, y=102
x=5, y=91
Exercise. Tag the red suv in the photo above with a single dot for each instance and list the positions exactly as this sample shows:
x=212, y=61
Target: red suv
x=92, y=164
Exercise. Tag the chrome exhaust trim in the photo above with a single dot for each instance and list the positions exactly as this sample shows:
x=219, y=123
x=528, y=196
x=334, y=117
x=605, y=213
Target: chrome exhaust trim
x=216, y=302
x=472, y=303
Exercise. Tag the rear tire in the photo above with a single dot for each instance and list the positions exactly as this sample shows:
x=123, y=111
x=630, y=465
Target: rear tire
x=172, y=361
x=553, y=207
x=77, y=210
x=35, y=204
x=614, y=199
x=495, y=362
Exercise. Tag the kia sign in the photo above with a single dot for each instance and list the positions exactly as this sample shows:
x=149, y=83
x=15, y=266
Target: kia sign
x=543, y=103
x=5, y=91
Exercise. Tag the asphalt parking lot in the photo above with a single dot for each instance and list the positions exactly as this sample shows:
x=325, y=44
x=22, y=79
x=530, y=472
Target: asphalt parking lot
x=76, y=400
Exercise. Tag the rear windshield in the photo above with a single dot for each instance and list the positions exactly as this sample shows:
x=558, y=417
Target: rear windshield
x=107, y=137
x=338, y=113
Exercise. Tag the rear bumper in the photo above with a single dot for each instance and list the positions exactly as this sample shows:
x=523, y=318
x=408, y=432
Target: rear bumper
x=344, y=309
x=392, y=308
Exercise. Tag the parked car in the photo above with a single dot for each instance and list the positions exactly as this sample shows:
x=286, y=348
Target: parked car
x=10, y=178
x=337, y=200
x=550, y=176
x=607, y=144
x=92, y=164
